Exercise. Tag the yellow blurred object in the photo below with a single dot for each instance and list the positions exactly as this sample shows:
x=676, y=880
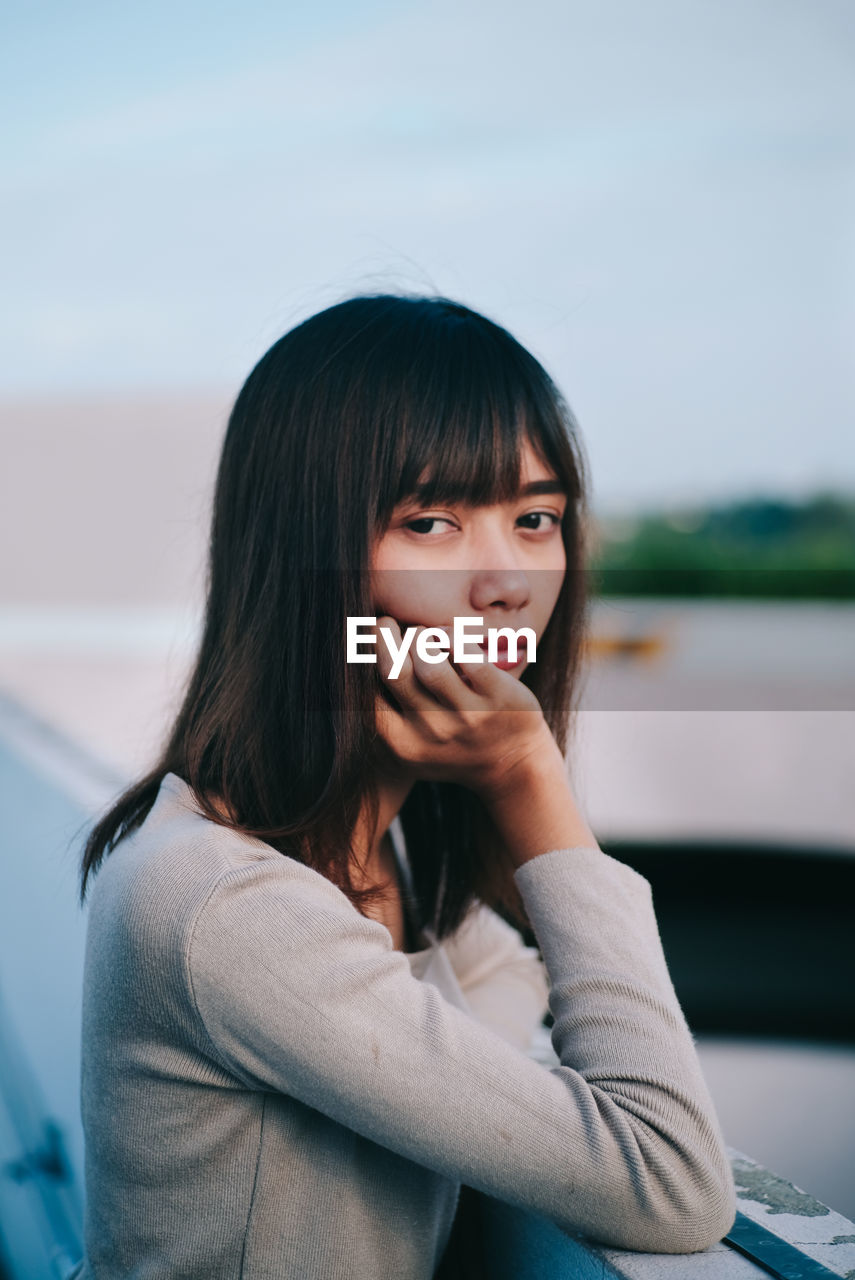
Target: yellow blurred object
x=640, y=647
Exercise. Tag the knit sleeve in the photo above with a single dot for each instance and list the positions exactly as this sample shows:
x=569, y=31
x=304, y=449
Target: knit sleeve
x=504, y=981
x=298, y=992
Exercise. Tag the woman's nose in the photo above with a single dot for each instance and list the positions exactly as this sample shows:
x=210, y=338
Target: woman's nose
x=497, y=587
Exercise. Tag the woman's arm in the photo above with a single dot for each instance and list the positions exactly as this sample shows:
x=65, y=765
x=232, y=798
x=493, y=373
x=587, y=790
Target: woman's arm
x=298, y=992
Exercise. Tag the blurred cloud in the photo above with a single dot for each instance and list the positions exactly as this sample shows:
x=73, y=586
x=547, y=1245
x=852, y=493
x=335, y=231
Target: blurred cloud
x=657, y=199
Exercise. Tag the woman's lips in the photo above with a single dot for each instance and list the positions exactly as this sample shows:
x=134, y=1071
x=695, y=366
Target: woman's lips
x=502, y=662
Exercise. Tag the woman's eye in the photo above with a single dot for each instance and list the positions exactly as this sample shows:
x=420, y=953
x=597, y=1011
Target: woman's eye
x=429, y=526
x=423, y=524
x=539, y=516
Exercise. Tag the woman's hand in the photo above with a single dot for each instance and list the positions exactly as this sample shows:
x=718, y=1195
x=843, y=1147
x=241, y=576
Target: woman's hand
x=486, y=731
x=476, y=728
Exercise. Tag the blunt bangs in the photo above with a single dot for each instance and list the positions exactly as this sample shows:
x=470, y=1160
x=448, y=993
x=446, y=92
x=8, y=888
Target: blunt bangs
x=466, y=396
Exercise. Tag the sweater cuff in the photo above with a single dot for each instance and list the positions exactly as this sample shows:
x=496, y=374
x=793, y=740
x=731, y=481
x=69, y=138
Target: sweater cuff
x=552, y=869
x=599, y=906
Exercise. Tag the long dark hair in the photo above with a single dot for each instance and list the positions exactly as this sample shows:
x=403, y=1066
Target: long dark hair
x=341, y=419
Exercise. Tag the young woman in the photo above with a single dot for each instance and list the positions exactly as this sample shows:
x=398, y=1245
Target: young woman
x=305, y=1013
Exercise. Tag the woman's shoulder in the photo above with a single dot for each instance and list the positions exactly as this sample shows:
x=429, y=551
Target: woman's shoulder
x=161, y=875
x=174, y=908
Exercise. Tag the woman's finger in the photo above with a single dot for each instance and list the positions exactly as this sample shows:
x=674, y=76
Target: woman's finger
x=385, y=660
x=488, y=682
x=442, y=679
x=402, y=685
x=419, y=685
x=396, y=731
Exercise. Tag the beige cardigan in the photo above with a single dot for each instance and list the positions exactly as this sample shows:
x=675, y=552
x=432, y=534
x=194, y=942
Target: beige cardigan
x=270, y=1089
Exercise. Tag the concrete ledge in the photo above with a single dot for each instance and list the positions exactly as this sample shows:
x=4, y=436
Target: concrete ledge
x=780, y=1230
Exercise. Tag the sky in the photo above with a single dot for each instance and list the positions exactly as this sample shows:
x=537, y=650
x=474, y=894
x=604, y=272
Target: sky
x=658, y=199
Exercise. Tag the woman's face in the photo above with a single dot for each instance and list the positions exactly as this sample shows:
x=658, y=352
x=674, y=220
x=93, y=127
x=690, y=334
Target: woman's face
x=504, y=563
